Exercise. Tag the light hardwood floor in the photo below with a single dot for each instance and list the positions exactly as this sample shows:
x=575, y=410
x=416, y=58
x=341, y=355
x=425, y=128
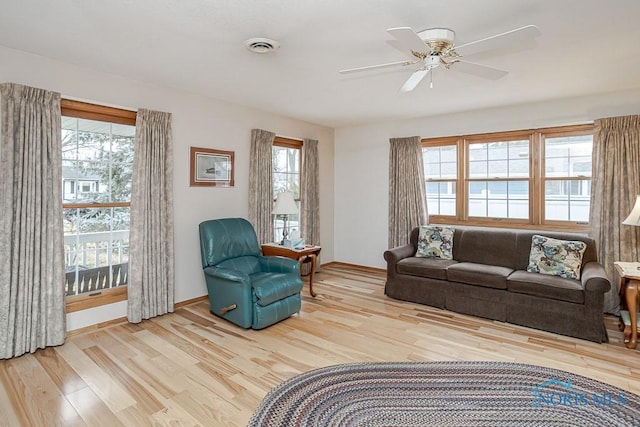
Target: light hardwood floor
x=190, y=368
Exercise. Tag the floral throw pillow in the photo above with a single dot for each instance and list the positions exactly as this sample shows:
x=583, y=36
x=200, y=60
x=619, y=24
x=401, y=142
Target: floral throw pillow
x=556, y=257
x=435, y=242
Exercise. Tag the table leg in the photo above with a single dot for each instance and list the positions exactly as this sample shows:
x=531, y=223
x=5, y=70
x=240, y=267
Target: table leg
x=313, y=271
x=631, y=296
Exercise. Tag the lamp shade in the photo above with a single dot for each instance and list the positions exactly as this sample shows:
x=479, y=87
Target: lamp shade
x=634, y=216
x=285, y=205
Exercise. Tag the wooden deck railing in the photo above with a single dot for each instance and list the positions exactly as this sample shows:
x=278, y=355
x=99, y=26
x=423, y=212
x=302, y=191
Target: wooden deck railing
x=96, y=279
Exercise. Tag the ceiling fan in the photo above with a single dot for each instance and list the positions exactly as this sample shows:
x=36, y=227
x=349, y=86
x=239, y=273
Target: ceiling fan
x=428, y=49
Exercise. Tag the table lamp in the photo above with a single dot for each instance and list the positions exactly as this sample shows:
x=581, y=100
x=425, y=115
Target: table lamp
x=634, y=216
x=285, y=206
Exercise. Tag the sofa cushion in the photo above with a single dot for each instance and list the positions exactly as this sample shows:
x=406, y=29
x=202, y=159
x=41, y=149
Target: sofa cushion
x=556, y=257
x=435, y=242
x=546, y=286
x=425, y=267
x=489, y=276
x=487, y=246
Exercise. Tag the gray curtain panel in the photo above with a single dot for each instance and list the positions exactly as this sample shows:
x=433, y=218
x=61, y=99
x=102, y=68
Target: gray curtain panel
x=614, y=187
x=407, y=191
x=261, y=184
x=310, y=193
x=32, y=271
x=151, y=288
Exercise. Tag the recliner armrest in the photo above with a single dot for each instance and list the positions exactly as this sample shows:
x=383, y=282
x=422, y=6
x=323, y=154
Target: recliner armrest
x=396, y=254
x=227, y=274
x=279, y=264
x=594, y=278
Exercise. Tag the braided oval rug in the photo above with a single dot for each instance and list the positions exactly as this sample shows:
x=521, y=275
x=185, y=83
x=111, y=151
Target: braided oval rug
x=445, y=394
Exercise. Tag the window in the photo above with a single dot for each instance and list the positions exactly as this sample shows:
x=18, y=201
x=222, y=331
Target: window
x=567, y=177
x=498, y=179
x=441, y=171
x=287, y=157
x=97, y=160
x=522, y=178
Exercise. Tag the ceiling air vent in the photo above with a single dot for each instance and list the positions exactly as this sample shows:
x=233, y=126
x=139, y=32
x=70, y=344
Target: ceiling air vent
x=261, y=45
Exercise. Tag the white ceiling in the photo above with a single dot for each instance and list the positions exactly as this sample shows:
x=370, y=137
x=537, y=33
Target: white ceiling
x=586, y=47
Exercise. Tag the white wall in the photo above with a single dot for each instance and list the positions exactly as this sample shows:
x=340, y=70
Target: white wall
x=362, y=160
x=197, y=121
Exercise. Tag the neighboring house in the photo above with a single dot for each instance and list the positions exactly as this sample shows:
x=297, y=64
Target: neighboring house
x=76, y=183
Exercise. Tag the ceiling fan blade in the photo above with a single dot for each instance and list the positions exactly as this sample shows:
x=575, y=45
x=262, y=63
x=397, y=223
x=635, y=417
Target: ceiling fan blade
x=374, y=67
x=414, y=79
x=408, y=39
x=499, y=40
x=396, y=44
x=478, y=70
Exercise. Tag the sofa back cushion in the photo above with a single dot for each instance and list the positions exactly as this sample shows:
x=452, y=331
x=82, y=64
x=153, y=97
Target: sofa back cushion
x=503, y=247
x=487, y=246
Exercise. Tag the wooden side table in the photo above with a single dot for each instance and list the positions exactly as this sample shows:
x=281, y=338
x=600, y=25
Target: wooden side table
x=307, y=254
x=630, y=276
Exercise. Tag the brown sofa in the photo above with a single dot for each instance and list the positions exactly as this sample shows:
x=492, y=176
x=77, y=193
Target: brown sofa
x=488, y=278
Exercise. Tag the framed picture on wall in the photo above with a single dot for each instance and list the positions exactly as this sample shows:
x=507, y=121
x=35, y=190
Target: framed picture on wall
x=211, y=168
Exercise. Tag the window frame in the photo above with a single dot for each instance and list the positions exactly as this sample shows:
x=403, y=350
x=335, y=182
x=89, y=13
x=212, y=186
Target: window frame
x=85, y=110
x=537, y=178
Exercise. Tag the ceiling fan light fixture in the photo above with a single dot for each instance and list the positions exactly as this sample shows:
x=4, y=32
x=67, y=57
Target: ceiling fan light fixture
x=261, y=45
x=437, y=34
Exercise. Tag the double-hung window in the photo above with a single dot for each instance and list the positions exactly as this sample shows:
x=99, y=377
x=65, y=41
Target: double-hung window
x=287, y=157
x=536, y=178
x=498, y=177
x=97, y=161
x=441, y=171
x=567, y=176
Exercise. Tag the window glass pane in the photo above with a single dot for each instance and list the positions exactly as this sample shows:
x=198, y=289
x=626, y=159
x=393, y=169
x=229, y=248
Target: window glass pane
x=519, y=168
x=568, y=156
x=440, y=162
x=477, y=152
x=518, y=150
x=103, y=170
x=507, y=159
x=499, y=199
x=498, y=168
x=69, y=143
x=441, y=198
x=478, y=169
x=567, y=200
x=286, y=171
x=121, y=168
x=96, y=248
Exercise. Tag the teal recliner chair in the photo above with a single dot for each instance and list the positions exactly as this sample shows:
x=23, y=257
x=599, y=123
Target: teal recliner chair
x=245, y=287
